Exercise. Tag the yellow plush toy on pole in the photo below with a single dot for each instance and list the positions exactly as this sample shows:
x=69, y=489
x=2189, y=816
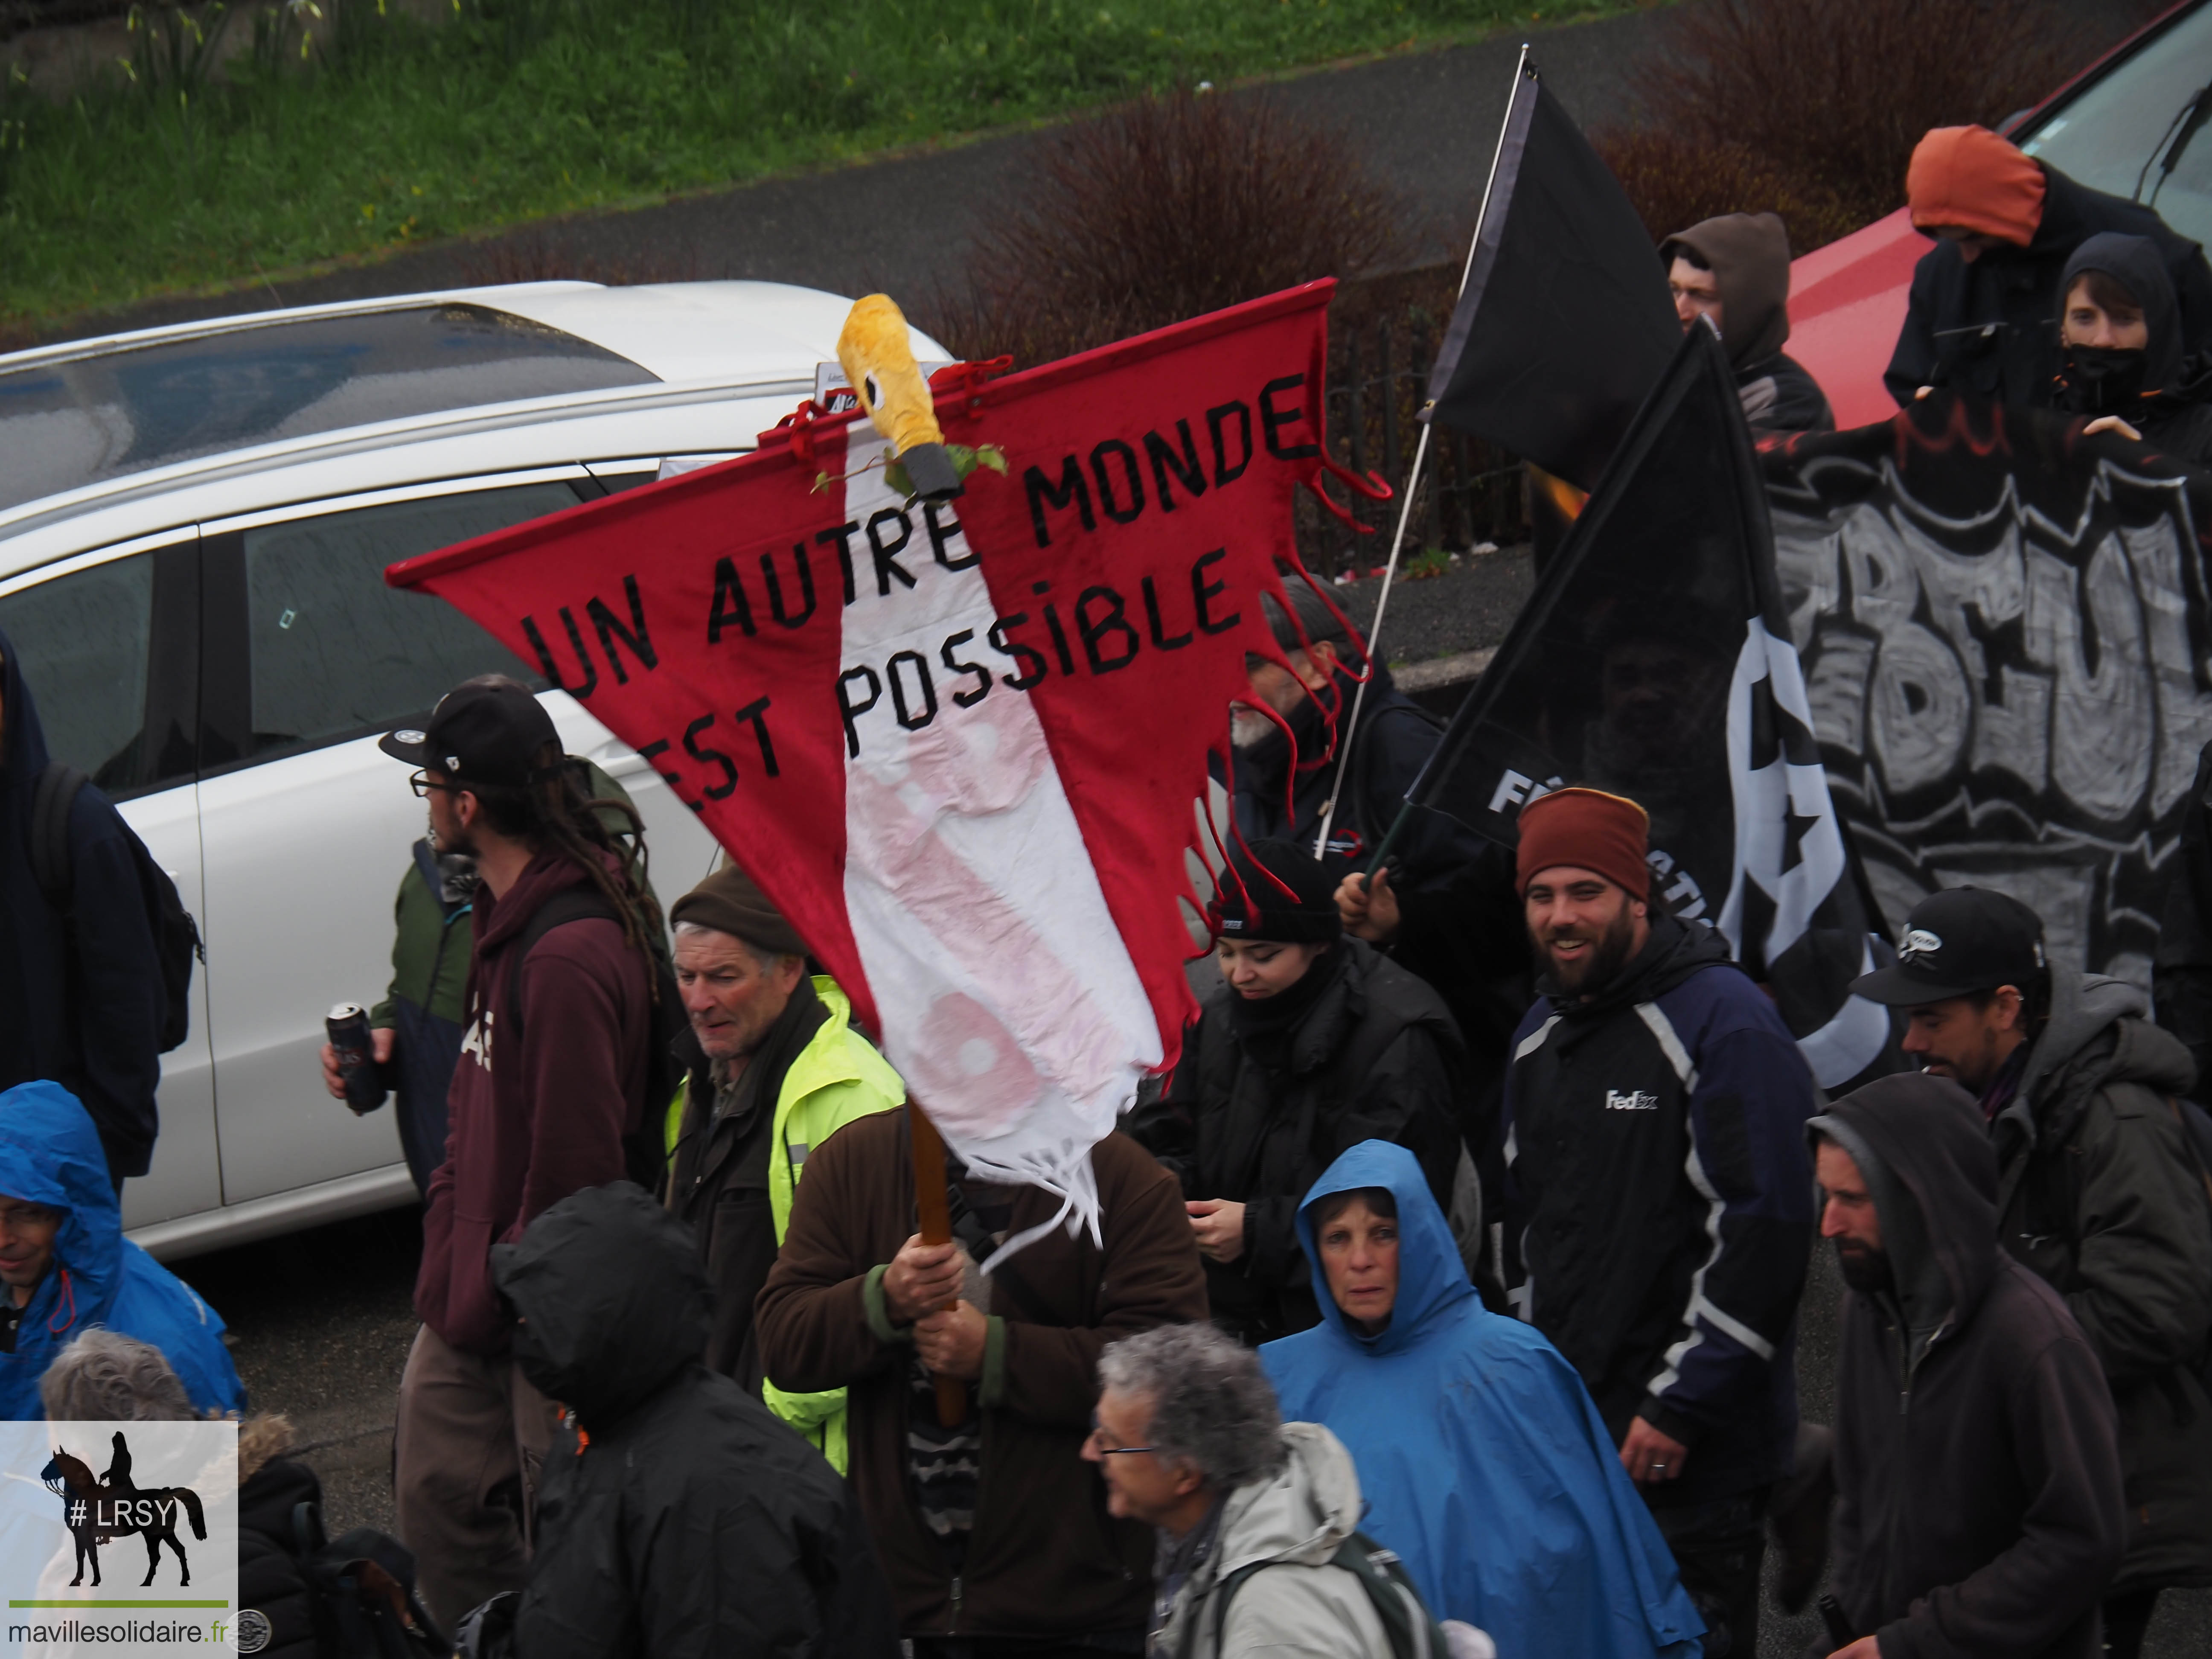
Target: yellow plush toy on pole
x=878, y=362
x=878, y=357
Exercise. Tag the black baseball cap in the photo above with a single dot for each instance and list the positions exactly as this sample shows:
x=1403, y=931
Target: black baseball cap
x=1958, y=942
x=489, y=732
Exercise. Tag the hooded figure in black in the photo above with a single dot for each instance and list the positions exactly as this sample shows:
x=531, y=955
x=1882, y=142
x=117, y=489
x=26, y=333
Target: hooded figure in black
x=1747, y=256
x=1282, y=1075
x=2160, y=397
x=677, y=1518
x=1980, y=1509
x=83, y=992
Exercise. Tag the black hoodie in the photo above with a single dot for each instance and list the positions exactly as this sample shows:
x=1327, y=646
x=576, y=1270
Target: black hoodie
x=1978, y=1501
x=2170, y=402
x=93, y=1026
x=1989, y=327
x=677, y=1518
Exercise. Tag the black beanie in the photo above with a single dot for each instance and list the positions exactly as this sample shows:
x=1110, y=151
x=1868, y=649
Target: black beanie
x=1250, y=902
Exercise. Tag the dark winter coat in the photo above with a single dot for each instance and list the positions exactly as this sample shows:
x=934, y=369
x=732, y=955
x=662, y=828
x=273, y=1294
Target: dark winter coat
x=1396, y=738
x=1375, y=1058
x=2170, y=408
x=1660, y=1203
x=1748, y=254
x=2099, y=1195
x=84, y=998
x=534, y=1120
x=1469, y=938
x=676, y=1516
x=1979, y=1511
x=1044, y=1559
x=2181, y=977
x=270, y=1578
x=1991, y=328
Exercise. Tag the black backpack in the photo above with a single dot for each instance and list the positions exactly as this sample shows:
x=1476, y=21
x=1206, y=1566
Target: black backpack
x=1412, y=1629
x=644, y=1153
x=53, y=862
x=360, y=1593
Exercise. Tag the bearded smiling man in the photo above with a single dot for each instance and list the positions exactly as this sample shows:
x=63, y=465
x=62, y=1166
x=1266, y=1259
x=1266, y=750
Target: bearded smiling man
x=1661, y=1215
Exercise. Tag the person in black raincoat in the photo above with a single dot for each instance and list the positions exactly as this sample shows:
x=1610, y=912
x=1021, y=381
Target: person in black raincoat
x=677, y=1518
x=1982, y=316
x=1310, y=1043
x=83, y=992
x=2120, y=329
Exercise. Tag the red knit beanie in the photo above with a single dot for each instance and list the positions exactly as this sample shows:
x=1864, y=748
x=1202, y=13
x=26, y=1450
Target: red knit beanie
x=1591, y=830
x=1970, y=177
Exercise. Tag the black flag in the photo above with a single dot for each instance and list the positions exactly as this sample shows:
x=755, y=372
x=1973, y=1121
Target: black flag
x=1654, y=661
x=1564, y=323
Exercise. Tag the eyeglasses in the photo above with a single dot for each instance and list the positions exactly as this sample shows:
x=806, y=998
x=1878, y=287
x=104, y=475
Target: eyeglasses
x=421, y=784
x=1098, y=1439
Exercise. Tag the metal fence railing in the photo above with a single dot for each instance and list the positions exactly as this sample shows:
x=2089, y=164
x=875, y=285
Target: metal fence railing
x=1471, y=492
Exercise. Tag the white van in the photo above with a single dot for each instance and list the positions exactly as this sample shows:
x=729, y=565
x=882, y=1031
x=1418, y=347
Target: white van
x=194, y=526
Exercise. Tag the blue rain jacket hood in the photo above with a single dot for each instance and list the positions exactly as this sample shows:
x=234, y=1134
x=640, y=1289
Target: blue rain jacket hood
x=1485, y=1465
x=50, y=1155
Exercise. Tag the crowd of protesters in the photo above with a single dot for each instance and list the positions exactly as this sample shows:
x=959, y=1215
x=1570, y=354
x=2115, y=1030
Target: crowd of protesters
x=1447, y=1292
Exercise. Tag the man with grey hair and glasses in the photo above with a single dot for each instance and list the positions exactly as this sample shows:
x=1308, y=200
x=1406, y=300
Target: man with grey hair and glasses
x=1254, y=1513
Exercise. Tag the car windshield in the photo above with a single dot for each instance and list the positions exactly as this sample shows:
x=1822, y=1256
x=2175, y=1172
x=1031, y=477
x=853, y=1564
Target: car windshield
x=80, y=420
x=2140, y=130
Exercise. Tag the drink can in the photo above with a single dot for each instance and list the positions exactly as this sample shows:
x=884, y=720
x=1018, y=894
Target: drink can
x=347, y=1025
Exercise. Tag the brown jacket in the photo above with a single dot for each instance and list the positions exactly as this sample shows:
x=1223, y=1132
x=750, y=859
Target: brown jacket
x=1045, y=1559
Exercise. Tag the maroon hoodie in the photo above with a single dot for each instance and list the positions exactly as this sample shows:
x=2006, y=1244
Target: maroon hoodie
x=531, y=1125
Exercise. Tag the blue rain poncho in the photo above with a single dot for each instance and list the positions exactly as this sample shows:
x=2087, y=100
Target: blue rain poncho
x=1484, y=1463
x=50, y=1155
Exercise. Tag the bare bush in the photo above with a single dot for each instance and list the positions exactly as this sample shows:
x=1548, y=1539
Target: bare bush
x=1675, y=181
x=1811, y=109
x=1163, y=210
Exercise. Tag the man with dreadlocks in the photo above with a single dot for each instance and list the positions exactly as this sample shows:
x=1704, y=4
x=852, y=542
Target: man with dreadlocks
x=1311, y=1043
x=549, y=1097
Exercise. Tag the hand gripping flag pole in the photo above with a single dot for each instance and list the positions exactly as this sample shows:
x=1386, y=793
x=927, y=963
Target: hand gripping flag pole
x=1523, y=76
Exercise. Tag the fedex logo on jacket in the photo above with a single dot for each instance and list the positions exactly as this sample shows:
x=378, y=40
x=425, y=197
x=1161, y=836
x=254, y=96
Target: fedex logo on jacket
x=1659, y=1206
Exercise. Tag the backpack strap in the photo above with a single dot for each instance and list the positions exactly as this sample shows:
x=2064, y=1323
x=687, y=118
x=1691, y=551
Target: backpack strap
x=52, y=860
x=569, y=904
x=1412, y=1629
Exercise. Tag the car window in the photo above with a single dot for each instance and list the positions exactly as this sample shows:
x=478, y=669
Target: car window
x=335, y=652
x=82, y=642
x=2118, y=134
x=68, y=421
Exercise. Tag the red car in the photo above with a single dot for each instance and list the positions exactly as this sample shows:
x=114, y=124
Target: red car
x=2133, y=124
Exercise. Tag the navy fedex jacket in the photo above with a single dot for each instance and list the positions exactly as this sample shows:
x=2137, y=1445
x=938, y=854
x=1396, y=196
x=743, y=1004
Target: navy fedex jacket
x=1660, y=1203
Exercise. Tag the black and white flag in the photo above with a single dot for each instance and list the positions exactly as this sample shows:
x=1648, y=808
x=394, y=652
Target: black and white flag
x=2007, y=631
x=1654, y=661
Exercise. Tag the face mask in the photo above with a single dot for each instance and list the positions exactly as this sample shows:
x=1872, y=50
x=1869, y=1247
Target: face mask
x=2102, y=379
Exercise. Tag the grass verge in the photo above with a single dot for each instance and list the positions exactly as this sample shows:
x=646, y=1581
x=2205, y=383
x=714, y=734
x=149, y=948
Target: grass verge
x=519, y=109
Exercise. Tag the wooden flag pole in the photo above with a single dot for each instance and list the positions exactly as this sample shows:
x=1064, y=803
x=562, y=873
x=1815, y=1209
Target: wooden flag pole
x=935, y=1212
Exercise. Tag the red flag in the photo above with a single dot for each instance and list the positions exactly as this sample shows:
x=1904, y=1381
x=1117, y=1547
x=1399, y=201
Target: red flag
x=958, y=746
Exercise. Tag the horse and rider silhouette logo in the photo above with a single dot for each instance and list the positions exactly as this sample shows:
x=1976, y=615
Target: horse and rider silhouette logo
x=98, y=1511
